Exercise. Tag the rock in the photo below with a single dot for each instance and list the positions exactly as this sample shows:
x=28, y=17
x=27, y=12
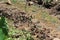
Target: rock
x=34, y=20
x=56, y=39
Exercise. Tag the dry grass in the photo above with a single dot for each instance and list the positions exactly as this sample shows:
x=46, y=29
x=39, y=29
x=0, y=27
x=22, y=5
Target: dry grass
x=39, y=13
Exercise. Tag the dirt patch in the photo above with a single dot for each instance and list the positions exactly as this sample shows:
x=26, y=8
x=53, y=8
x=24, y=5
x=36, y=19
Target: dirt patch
x=16, y=15
x=56, y=11
x=23, y=21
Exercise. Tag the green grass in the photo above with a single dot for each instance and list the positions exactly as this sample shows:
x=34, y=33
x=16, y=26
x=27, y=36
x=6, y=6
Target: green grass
x=25, y=35
x=47, y=17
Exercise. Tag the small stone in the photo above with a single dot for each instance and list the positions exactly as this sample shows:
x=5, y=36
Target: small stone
x=56, y=39
x=34, y=20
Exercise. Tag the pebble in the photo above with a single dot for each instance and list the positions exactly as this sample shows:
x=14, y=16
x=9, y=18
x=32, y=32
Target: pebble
x=34, y=20
x=56, y=39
